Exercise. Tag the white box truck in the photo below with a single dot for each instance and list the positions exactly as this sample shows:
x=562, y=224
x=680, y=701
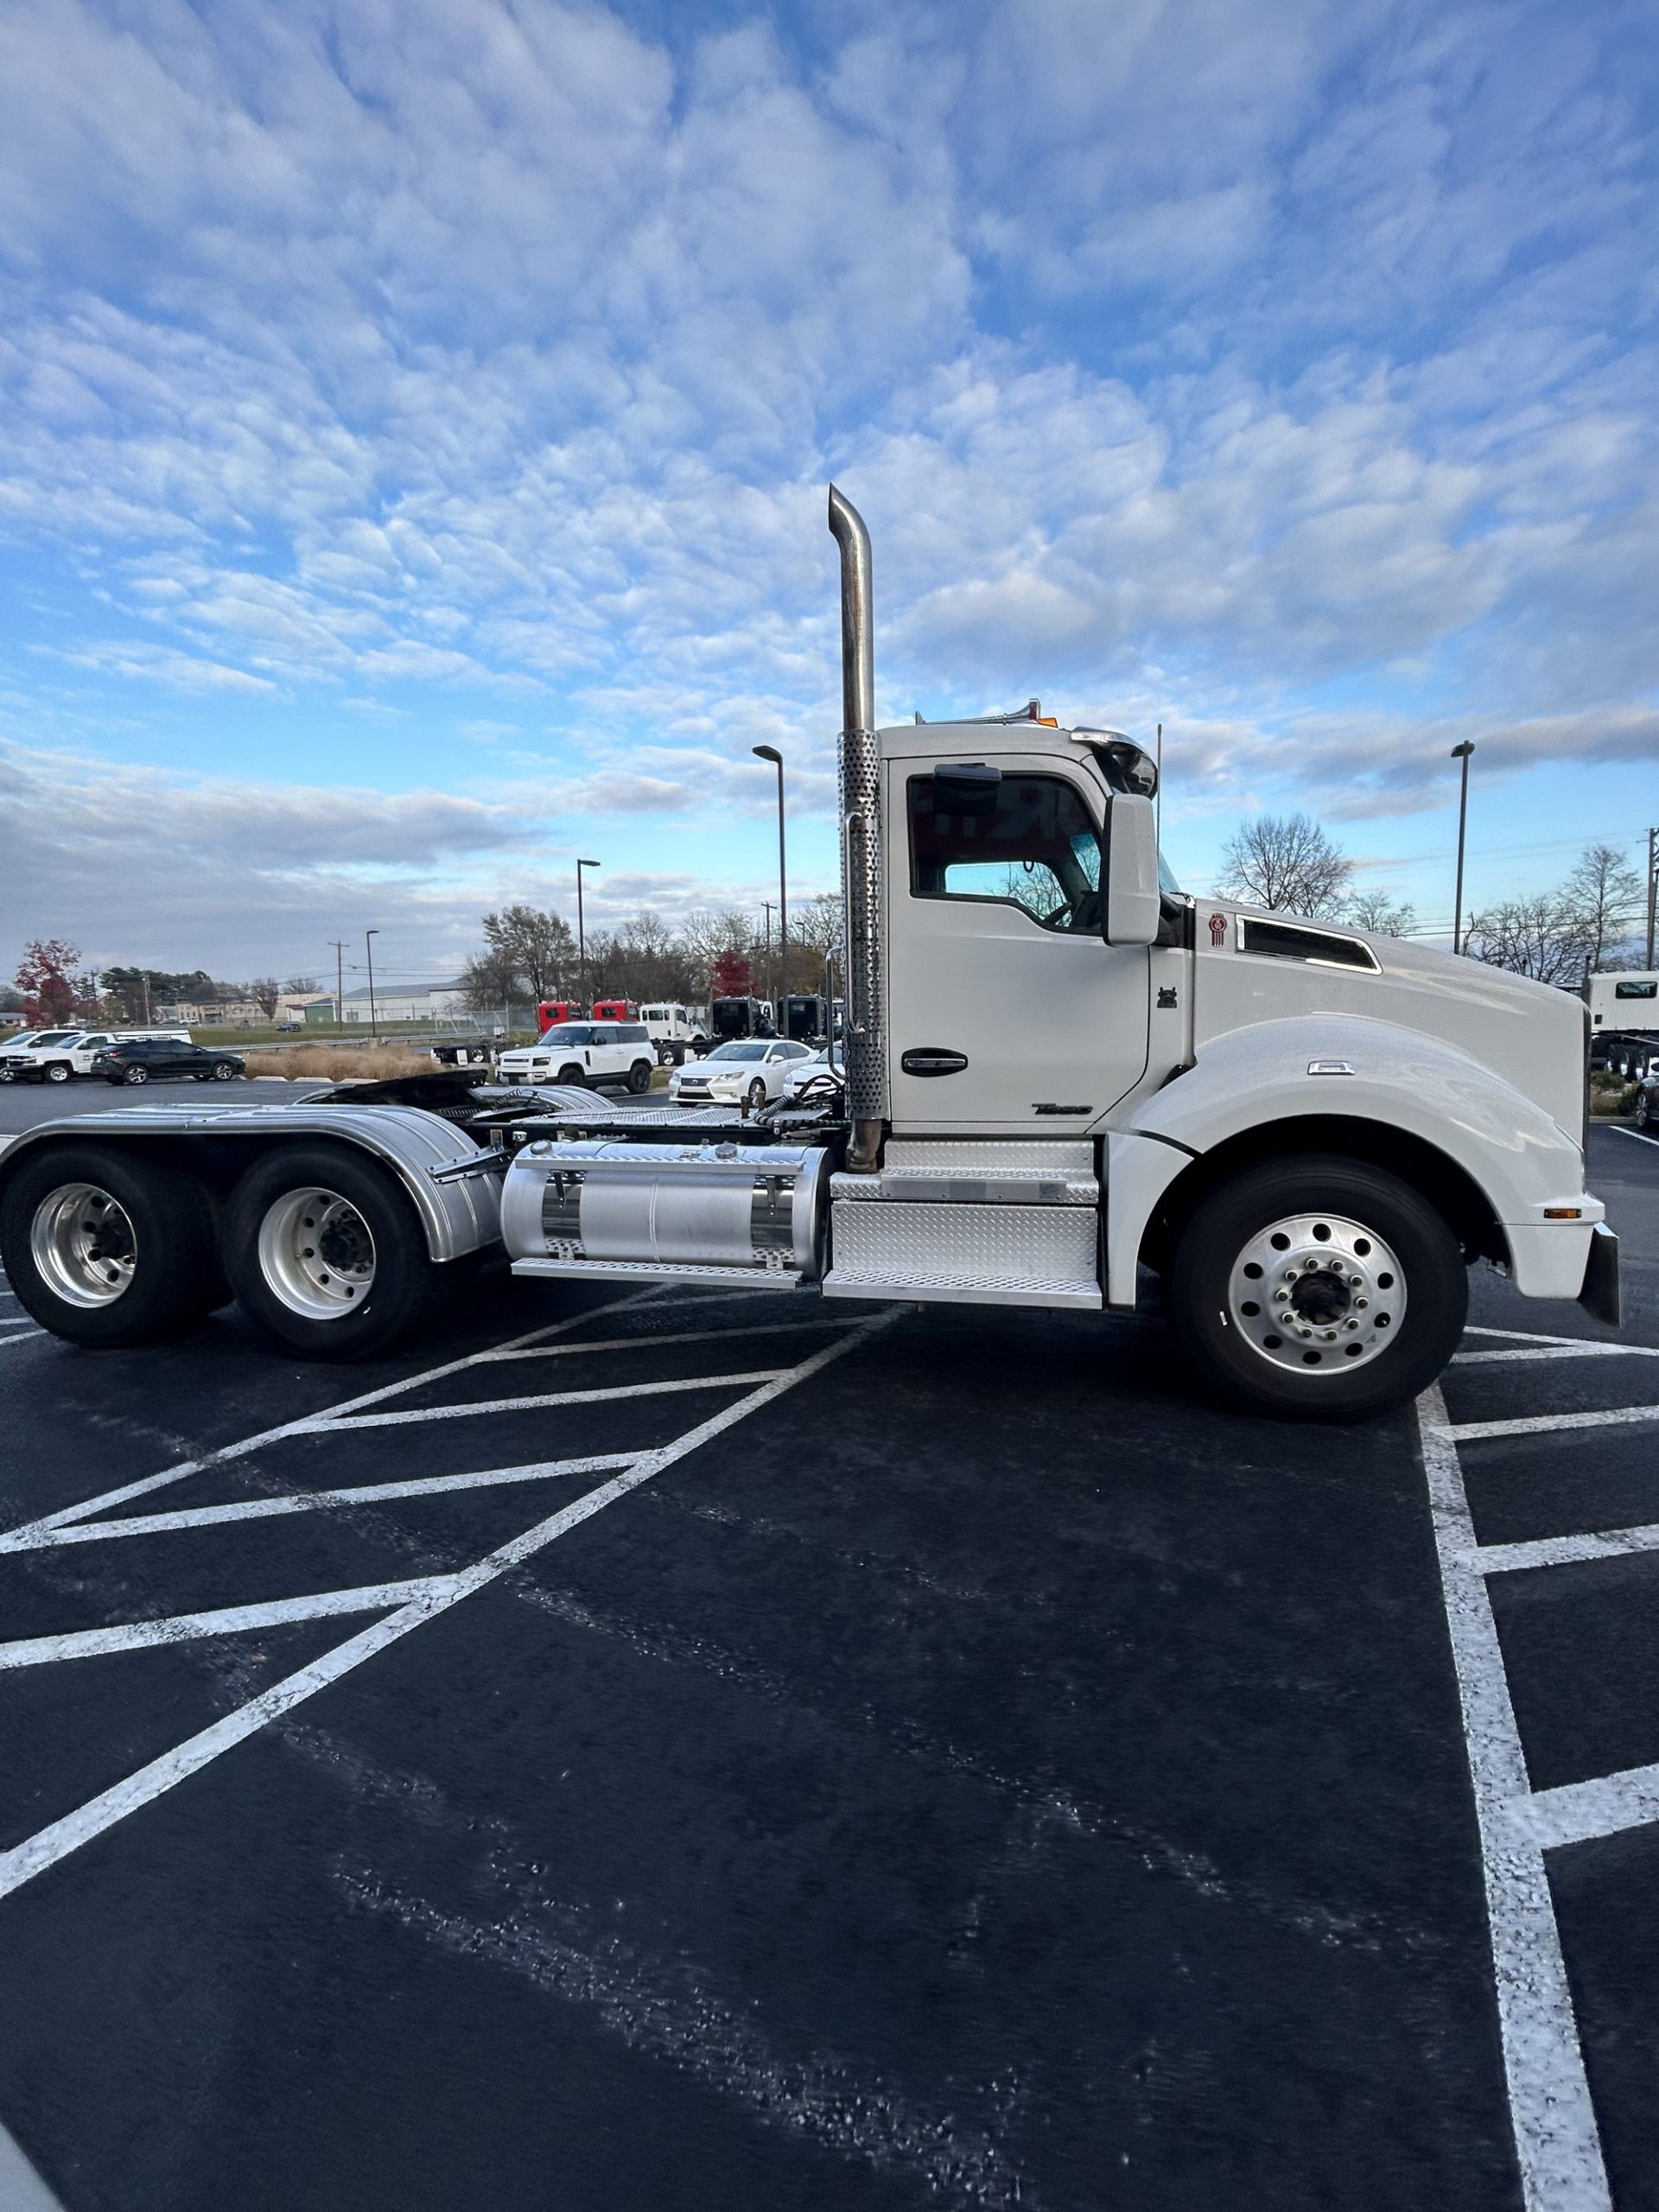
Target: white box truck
x=1056, y=1072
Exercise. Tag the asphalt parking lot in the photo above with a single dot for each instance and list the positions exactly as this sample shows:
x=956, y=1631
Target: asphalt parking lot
x=677, y=1749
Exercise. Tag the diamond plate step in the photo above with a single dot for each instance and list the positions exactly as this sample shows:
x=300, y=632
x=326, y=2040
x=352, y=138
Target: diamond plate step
x=994, y=1254
x=957, y=1185
x=1068, y=1156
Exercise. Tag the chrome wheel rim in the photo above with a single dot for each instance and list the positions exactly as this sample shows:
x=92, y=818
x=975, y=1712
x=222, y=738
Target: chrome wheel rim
x=82, y=1244
x=137, y=1075
x=222, y=1073
x=1316, y=1293
x=316, y=1254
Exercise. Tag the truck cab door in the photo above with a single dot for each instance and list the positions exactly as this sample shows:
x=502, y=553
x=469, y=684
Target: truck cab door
x=1006, y=1010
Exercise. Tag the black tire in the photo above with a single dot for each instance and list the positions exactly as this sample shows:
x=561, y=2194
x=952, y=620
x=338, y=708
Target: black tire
x=136, y=1073
x=402, y=1281
x=640, y=1078
x=1431, y=1280
x=1643, y=1109
x=757, y=1096
x=59, y=1072
x=176, y=1276
x=224, y=1071
x=575, y=1075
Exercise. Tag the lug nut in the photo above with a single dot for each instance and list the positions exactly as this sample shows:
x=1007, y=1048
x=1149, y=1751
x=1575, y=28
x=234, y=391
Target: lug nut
x=1362, y=1303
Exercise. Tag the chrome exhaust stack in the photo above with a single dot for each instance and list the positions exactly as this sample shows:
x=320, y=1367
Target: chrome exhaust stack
x=864, y=1044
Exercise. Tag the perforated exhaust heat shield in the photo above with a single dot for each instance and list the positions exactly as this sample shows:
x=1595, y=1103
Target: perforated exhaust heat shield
x=865, y=1040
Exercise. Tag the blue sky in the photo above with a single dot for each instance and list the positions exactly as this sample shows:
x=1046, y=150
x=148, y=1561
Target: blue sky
x=416, y=420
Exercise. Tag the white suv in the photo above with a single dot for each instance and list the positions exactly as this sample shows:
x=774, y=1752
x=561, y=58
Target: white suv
x=53, y=1056
x=584, y=1052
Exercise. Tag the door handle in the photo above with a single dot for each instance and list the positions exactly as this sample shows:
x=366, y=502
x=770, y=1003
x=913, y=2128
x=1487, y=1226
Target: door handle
x=932, y=1059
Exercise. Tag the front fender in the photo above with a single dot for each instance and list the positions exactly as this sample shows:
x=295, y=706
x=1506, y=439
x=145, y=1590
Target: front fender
x=1262, y=1077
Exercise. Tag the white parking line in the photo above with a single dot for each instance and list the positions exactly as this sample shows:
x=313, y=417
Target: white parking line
x=1567, y=1551
x=1467, y=1431
x=1556, y=2137
x=677, y=1337
x=20, y=1337
x=323, y=1425
x=229, y=1620
x=310, y=1501
x=18, y=1539
x=1579, y=1811
x=1641, y=1135
x=1554, y=1351
x=127, y=1796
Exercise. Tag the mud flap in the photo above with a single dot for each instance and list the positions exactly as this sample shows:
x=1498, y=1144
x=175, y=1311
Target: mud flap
x=1599, y=1296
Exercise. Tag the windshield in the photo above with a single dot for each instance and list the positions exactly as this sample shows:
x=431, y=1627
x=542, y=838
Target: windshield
x=1166, y=882
x=739, y=1052
x=568, y=1032
x=57, y=1037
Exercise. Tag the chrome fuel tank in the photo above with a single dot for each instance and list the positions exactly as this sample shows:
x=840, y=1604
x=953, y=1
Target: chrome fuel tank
x=603, y=1208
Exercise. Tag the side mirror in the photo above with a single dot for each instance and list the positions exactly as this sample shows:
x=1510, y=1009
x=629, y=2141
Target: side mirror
x=1132, y=904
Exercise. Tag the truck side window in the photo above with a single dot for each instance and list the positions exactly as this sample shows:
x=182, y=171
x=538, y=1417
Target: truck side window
x=1037, y=849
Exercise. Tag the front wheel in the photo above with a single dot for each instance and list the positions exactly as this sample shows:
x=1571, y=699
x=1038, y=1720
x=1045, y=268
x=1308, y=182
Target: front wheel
x=1318, y=1289
x=575, y=1075
x=1643, y=1109
x=325, y=1250
x=58, y=1071
x=757, y=1097
x=223, y=1071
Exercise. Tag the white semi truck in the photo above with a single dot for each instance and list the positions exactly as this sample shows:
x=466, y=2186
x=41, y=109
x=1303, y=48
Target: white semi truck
x=1056, y=1073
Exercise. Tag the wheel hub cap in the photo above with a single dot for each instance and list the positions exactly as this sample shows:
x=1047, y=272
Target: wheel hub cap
x=317, y=1254
x=81, y=1243
x=1317, y=1293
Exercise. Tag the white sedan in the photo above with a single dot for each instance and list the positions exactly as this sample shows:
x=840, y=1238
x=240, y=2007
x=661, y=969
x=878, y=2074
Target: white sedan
x=806, y=1072
x=749, y=1071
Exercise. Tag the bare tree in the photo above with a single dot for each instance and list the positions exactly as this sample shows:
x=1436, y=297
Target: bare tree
x=1286, y=861
x=489, y=980
x=1604, y=894
x=539, y=947
x=1380, y=913
x=1542, y=936
x=264, y=991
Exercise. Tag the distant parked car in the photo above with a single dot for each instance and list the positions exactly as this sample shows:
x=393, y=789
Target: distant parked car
x=815, y=1068
x=1646, y=1110
x=749, y=1071
x=162, y=1057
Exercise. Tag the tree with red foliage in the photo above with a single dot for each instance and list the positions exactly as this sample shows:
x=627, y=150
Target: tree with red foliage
x=733, y=975
x=49, y=989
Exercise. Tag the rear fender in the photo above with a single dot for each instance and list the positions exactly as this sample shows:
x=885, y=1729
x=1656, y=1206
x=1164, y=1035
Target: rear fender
x=455, y=1194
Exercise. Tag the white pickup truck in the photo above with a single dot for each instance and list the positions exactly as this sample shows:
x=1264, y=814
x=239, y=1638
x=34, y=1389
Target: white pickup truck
x=60, y=1054
x=1056, y=1073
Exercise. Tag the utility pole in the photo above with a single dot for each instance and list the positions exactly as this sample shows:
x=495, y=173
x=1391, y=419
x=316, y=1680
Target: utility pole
x=582, y=940
x=369, y=936
x=1460, y=752
x=771, y=978
x=1653, y=881
x=339, y=945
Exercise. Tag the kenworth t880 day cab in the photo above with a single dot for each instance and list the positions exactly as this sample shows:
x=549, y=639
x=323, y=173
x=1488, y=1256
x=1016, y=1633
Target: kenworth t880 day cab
x=1055, y=1072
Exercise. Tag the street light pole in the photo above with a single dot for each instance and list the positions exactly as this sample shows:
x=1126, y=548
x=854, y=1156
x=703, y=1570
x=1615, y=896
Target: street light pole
x=369, y=936
x=582, y=940
x=1652, y=883
x=339, y=945
x=771, y=753
x=765, y=907
x=1460, y=752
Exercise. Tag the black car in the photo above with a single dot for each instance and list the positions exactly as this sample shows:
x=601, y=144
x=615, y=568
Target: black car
x=142, y=1057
